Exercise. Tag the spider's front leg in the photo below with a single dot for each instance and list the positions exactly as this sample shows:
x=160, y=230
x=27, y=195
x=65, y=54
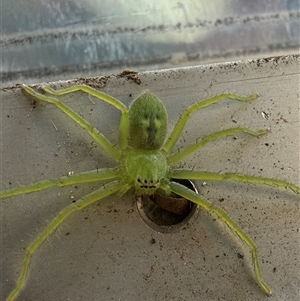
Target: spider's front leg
x=96, y=195
x=205, y=204
x=84, y=177
x=214, y=176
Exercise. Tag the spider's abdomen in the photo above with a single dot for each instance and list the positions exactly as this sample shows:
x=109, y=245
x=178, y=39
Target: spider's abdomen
x=145, y=169
x=147, y=122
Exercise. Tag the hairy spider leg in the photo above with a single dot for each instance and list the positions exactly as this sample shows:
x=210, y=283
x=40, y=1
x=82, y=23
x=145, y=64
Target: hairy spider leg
x=186, y=151
x=89, y=199
x=112, y=150
x=203, y=203
x=124, y=122
x=83, y=177
x=213, y=176
x=195, y=107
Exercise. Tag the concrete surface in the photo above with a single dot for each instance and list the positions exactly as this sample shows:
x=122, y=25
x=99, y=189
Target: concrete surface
x=107, y=252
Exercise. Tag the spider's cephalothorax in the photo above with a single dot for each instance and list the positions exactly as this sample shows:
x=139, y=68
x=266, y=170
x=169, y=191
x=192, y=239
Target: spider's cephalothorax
x=145, y=160
x=146, y=169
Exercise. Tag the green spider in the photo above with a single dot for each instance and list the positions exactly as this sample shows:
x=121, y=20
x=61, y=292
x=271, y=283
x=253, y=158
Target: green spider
x=145, y=158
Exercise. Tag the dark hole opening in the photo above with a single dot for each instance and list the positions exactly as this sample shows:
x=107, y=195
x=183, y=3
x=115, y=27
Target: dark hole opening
x=163, y=212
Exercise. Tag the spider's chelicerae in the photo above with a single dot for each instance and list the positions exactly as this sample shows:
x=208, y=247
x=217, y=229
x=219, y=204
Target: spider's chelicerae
x=145, y=160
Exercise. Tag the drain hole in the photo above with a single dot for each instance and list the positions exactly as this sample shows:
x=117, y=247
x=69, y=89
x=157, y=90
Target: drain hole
x=167, y=213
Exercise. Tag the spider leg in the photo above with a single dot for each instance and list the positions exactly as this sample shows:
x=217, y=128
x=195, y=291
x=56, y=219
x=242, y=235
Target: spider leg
x=214, y=176
x=184, y=152
x=202, y=202
x=96, y=135
x=84, y=177
x=96, y=195
x=195, y=107
x=124, y=122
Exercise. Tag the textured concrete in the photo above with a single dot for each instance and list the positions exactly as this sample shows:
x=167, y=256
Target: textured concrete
x=107, y=252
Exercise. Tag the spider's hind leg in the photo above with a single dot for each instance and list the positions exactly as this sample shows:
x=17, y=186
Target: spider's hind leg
x=124, y=123
x=96, y=135
x=195, y=107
